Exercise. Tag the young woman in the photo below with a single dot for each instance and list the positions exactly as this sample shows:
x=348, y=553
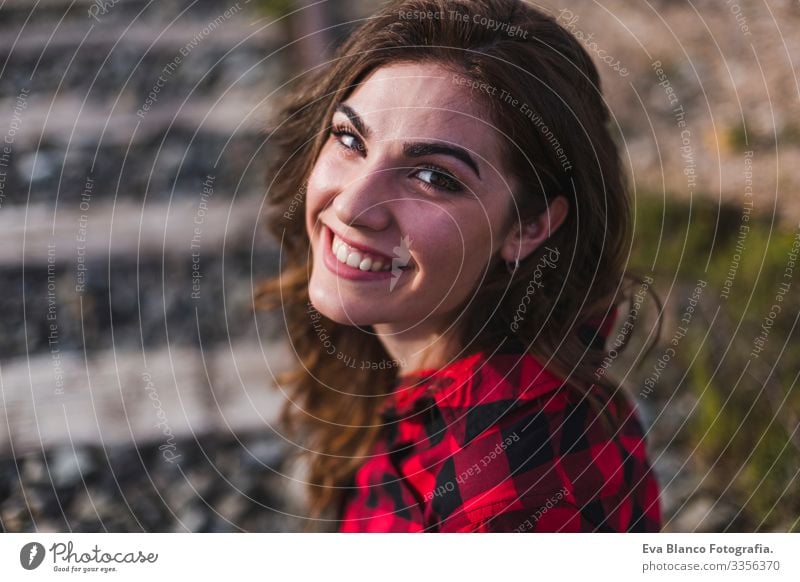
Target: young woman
x=454, y=229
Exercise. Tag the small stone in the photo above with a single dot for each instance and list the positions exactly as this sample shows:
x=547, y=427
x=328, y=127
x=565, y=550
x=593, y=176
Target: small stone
x=91, y=506
x=36, y=500
x=201, y=481
x=36, y=166
x=232, y=506
x=193, y=519
x=180, y=494
x=68, y=466
x=13, y=517
x=263, y=453
x=32, y=470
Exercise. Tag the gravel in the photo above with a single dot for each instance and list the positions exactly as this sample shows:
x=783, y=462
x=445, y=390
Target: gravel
x=219, y=484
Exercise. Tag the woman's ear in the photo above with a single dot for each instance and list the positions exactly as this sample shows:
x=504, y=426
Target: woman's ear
x=521, y=242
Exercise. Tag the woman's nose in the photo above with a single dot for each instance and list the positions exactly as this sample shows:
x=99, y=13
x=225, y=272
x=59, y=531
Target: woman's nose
x=363, y=202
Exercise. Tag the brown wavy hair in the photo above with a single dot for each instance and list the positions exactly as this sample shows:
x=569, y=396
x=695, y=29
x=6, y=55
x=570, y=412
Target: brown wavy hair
x=333, y=409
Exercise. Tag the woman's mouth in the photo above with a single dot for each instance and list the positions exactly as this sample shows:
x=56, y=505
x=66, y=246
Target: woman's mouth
x=355, y=258
x=353, y=263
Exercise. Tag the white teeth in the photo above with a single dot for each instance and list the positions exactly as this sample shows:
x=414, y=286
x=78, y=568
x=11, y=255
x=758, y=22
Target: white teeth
x=356, y=259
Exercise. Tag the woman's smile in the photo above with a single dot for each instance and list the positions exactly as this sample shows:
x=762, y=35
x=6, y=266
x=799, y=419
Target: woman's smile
x=356, y=262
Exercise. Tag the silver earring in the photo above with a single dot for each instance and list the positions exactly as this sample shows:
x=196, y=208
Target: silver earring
x=512, y=269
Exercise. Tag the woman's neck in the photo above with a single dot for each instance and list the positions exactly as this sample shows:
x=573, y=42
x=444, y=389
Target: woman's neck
x=421, y=347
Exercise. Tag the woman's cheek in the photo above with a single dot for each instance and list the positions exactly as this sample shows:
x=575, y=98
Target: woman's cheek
x=473, y=256
x=442, y=241
x=316, y=197
x=446, y=255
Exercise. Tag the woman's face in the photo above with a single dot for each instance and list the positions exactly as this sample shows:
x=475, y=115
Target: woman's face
x=408, y=202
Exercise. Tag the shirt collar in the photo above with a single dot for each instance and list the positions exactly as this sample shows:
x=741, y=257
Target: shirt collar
x=476, y=388
x=470, y=384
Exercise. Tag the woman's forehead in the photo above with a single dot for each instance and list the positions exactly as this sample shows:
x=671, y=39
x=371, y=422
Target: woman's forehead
x=422, y=101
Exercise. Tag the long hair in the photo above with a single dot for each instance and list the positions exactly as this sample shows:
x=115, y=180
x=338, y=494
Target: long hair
x=558, y=143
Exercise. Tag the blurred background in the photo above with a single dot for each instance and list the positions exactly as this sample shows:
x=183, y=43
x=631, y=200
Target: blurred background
x=136, y=380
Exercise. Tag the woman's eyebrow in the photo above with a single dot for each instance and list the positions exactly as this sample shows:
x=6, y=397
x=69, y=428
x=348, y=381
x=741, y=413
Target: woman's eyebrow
x=419, y=149
x=412, y=149
x=355, y=119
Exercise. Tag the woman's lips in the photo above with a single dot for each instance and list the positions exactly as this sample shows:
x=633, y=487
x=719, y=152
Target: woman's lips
x=344, y=270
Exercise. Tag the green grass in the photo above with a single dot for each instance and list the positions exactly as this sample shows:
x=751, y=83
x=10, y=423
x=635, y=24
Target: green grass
x=743, y=432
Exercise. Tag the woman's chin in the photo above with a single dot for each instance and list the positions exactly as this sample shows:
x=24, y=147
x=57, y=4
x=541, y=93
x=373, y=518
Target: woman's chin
x=354, y=312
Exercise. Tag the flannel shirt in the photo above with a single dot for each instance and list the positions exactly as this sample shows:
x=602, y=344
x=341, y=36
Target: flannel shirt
x=496, y=443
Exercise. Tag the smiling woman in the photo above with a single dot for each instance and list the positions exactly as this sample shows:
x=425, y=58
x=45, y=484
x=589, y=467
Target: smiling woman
x=448, y=246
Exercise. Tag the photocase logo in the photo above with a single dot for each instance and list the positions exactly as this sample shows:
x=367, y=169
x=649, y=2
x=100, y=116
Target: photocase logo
x=402, y=255
x=31, y=555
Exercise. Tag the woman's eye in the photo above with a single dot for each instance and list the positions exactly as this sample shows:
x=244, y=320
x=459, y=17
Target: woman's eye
x=439, y=179
x=431, y=177
x=347, y=139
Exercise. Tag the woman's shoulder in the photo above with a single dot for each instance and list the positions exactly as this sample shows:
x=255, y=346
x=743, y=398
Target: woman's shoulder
x=519, y=441
x=557, y=456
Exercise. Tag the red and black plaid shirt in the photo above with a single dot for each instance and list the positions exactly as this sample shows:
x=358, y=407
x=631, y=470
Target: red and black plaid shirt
x=497, y=444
